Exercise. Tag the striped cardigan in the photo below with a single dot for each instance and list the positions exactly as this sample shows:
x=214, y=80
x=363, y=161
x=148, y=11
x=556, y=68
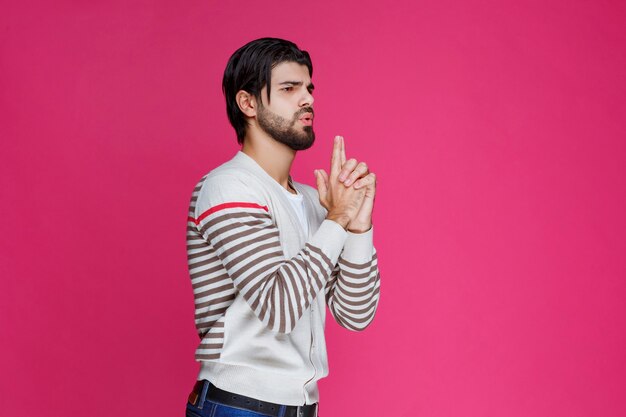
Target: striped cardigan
x=256, y=279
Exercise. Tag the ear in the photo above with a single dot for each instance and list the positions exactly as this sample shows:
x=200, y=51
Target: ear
x=246, y=102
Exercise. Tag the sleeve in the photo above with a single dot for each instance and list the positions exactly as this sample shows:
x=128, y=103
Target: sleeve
x=236, y=222
x=353, y=291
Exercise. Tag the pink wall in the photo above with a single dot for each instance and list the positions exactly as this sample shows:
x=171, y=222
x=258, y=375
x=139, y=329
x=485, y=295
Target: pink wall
x=497, y=130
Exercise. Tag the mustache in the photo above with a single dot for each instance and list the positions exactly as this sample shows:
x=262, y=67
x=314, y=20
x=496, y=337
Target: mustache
x=304, y=111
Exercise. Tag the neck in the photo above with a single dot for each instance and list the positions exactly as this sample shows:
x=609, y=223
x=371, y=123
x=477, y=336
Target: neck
x=274, y=157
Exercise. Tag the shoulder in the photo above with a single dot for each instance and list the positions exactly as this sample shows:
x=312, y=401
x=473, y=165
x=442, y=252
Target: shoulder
x=229, y=188
x=232, y=176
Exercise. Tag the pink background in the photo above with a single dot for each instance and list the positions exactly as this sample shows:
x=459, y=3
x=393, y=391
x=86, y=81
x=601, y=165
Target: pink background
x=497, y=130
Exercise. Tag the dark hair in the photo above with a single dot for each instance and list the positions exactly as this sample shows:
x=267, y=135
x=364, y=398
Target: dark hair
x=250, y=69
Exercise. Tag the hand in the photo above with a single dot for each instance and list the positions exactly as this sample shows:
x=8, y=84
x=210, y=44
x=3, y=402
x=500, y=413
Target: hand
x=357, y=174
x=343, y=203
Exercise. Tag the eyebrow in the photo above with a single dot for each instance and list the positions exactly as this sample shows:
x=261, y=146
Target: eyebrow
x=311, y=87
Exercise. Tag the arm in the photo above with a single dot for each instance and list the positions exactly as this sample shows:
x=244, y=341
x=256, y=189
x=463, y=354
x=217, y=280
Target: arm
x=353, y=291
x=236, y=222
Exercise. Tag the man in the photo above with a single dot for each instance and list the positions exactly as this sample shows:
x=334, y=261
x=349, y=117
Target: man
x=267, y=254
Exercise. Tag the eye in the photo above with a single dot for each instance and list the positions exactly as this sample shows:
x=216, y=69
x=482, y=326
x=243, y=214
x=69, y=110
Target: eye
x=288, y=88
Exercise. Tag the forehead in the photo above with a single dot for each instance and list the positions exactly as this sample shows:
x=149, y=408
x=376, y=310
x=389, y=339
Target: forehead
x=290, y=71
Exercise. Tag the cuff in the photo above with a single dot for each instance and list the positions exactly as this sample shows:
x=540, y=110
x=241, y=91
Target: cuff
x=359, y=247
x=330, y=238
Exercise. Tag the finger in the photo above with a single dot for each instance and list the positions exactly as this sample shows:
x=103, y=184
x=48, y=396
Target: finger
x=335, y=160
x=368, y=181
x=347, y=168
x=360, y=171
x=324, y=175
x=322, y=188
x=343, y=151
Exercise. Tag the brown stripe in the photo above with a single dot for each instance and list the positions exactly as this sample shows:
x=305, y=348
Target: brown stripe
x=233, y=217
x=298, y=299
x=358, y=266
x=254, y=224
x=197, y=245
x=206, y=325
x=210, y=346
x=249, y=255
x=302, y=277
x=210, y=281
x=224, y=241
x=195, y=275
x=324, y=271
x=214, y=336
x=266, y=236
x=350, y=293
x=214, y=290
x=321, y=254
x=208, y=251
x=194, y=267
x=214, y=301
x=271, y=301
x=255, y=288
x=353, y=275
x=204, y=263
x=342, y=301
x=349, y=312
x=208, y=357
x=290, y=283
x=210, y=313
x=261, y=271
x=360, y=321
x=363, y=284
x=283, y=315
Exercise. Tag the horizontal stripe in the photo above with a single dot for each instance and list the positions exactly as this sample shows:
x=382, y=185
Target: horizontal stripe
x=206, y=346
x=212, y=356
x=214, y=336
x=227, y=206
x=212, y=280
x=357, y=266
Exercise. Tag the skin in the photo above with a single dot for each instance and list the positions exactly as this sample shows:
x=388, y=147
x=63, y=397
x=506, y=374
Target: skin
x=348, y=191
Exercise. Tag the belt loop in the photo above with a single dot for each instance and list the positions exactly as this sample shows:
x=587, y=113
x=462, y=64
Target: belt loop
x=205, y=388
x=281, y=410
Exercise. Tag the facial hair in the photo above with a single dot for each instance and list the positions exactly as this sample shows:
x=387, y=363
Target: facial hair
x=286, y=132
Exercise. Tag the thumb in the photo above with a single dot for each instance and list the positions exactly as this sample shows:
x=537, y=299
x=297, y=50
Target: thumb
x=322, y=188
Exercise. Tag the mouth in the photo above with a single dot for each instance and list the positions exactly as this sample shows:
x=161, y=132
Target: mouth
x=307, y=119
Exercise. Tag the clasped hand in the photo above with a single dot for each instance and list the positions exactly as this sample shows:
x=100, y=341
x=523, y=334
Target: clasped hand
x=348, y=192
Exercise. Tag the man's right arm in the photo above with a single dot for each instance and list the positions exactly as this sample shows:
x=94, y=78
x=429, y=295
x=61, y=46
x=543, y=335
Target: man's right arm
x=236, y=222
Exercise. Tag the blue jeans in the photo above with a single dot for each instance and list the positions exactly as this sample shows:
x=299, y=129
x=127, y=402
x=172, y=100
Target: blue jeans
x=208, y=408
x=211, y=409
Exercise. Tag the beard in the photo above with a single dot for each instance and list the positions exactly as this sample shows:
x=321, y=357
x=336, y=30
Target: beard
x=287, y=132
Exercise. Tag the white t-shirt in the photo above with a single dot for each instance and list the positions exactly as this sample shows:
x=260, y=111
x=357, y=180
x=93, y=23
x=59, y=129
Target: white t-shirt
x=297, y=201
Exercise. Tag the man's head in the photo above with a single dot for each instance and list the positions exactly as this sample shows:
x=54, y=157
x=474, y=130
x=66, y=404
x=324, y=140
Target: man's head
x=269, y=80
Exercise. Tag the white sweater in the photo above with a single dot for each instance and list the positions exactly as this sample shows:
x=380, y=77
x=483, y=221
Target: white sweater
x=261, y=285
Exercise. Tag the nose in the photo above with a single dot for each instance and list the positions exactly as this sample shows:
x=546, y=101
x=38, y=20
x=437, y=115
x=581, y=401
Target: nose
x=307, y=99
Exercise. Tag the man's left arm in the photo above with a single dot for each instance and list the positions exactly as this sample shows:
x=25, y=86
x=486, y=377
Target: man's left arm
x=352, y=292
